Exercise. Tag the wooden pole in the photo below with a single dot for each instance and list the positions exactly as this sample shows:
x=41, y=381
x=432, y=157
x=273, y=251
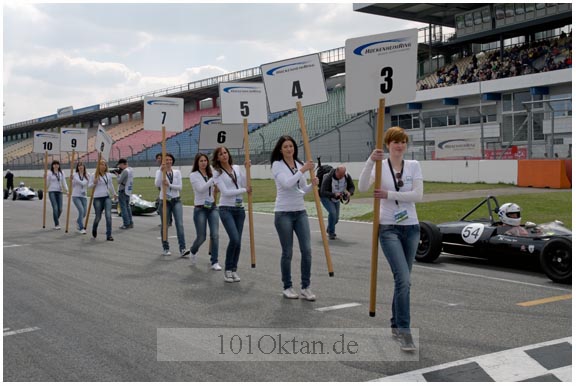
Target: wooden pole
x=315, y=189
x=70, y=189
x=164, y=225
x=248, y=185
x=96, y=175
x=376, y=214
x=45, y=192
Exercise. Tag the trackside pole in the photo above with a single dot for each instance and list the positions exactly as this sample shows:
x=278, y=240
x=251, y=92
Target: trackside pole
x=70, y=190
x=315, y=189
x=376, y=218
x=164, y=225
x=248, y=185
x=96, y=176
x=45, y=192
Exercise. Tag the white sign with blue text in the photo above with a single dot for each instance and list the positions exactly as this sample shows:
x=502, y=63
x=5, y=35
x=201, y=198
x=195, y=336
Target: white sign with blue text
x=294, y=80
x=103, y=143
x=74, y=140
x=239, y=101
x=380, y=66
x=46, y=142
x=163, y=112
x=213, y=134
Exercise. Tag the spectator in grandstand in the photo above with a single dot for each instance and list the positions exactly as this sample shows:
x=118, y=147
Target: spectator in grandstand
x=205, y=209
x=171, y=183
x=231, y=182
x=337, y=186
x=56, y=183
x=101, y=181
x=401, y=187
x=125, y=184
x=79, y=188
x=290, y=214
x=9, y=181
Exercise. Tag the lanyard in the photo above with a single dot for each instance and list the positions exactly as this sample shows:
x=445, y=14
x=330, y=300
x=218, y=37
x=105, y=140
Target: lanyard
x=292, y=170
x=105, y=180
x=206, y=180
x=394, y=176
x=234, y=179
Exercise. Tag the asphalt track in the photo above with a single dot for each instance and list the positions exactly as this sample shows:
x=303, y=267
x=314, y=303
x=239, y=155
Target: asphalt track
x=79, y=309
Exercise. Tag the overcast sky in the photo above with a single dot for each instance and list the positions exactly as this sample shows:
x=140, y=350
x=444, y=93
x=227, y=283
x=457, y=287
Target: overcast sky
x=58, y=55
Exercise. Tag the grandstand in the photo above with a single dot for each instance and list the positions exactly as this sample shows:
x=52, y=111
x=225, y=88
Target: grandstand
x=503, y=72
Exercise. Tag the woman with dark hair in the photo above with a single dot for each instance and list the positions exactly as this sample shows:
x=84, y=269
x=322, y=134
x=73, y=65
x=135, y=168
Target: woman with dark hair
x=101, y=180
x=290, y=213
x=231, y=182
x=205, y=210
x=56, y=183
x=79, y=187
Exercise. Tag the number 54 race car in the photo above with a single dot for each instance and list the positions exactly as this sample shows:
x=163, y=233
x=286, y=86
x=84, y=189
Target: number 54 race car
x=550, y=242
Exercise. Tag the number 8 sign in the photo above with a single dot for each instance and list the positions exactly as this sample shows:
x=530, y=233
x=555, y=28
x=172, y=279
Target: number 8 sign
x=380, y=66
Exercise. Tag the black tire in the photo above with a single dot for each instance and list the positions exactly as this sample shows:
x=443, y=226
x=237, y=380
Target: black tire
x=40, y=194
x=556, y=260
x=5, y=193
x=430, y=244
x=14, y=195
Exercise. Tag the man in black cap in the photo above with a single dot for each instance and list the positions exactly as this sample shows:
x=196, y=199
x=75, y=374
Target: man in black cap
x=125, y=183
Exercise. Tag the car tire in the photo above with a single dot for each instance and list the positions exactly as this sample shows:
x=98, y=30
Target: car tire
x=5, y=193
x=430, y=244
x=556, y=260
x=40, y=194
x=14, y=196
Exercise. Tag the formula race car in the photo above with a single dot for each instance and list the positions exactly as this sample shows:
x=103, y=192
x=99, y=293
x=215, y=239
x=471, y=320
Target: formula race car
x=488, y=237
x=23, y=192
x=137, y=204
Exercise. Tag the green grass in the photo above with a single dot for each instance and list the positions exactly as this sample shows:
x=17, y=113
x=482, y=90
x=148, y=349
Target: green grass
x=536, y=207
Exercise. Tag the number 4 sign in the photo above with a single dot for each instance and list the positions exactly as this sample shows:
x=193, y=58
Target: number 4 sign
x=213, y=134
x=380, y=66
x=46, y=142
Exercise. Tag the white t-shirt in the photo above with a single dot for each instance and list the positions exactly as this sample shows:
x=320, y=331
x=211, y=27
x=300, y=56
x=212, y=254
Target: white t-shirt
x=104, y=187
x=56, y=182
x=203, y=188
x=229, y=190
x=174, y=178
x=79, y=185
x=407, y=196
x=291, y=187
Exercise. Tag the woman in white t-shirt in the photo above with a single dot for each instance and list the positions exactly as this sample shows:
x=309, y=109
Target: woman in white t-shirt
x=79, y=187
x=290, y=213
x=56, y=183
x=101, y=180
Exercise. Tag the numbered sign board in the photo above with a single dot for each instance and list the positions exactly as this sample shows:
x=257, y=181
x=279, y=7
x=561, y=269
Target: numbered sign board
x=163, y=112
x=295, y=80
x=103, y=143
x=213, y=134
x=74, y=140
x=239, y=101
x=46, y=142
x=380, y=66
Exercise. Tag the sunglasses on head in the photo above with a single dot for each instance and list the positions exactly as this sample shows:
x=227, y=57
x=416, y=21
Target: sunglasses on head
x=400, y=183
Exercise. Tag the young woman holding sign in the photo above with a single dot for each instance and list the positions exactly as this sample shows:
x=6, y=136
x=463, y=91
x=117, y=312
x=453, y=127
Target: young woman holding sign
x=205, y=209
x=56, y=183
x=79, y=187
x=103, y=189
x=399, y=232
x=290, y=214
x=231, y=182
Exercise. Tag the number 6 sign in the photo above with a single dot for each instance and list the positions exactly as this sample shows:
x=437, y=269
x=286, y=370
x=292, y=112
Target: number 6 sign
x=380, y=66
x=213, y=134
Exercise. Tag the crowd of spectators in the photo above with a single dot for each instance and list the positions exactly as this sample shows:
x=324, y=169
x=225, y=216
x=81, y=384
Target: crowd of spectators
x=541, y=56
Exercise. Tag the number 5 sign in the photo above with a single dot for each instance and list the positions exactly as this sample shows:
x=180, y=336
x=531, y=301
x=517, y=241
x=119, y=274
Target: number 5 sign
x=46, y=142
x=241, y=101
x=380, y=66
x=213, y=134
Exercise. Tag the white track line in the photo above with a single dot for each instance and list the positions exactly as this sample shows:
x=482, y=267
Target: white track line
x=338, y=307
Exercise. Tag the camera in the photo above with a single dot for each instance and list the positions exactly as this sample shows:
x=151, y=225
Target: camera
x=345, y=198
x=116, y=171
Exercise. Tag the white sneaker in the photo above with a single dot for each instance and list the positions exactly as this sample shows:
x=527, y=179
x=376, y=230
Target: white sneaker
x=57, y=227
x=228, y=277
x=235, y=276
x=83, y=231
x=216, y=267
x=289, y=293
x=166, y=252
x=193, y=257
x=184, y=253
x=307, y=294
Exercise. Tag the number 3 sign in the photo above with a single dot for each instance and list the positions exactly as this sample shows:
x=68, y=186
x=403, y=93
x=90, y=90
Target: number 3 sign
x=380, y=66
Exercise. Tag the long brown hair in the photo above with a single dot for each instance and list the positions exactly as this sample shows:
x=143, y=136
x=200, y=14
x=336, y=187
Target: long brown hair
x=196, y=165
x=216, y=162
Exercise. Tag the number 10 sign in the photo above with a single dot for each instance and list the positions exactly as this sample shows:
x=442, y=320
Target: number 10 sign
x=380, y=66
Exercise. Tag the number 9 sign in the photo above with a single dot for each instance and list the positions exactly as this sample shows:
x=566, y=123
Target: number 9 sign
x=74, y=140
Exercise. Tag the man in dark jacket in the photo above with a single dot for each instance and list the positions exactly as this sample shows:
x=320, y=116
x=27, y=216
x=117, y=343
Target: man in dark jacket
x=9, y=181
x=337, y=186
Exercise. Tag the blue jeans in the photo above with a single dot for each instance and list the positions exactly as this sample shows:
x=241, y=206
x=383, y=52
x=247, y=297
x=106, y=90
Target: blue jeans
x=81, y=205
x=233, y=220
x=103, y=204
x=333, y=209
x=201, y=217
x=56, y=202
x=173, y=208
x=288, y=223
x=399, y=244
x=124, y=201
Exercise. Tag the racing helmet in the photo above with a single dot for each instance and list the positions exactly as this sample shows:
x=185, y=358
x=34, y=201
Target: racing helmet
x=509, y=214
x=21, y=185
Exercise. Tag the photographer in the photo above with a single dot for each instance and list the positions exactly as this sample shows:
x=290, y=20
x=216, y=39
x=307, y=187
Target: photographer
x=337, y=186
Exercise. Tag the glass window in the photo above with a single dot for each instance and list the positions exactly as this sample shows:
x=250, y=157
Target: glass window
x=519, y=9
x=509, y=10
x=477, y=18
x=520, y=128
x=459, y=21
x=486, y=15
x=499, y=10
x=520, y=97
x=507, y=128
x=468, y=20
x=540, y=5
x=529, y=7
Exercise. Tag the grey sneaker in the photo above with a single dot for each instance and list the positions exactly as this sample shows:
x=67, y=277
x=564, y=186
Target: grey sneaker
x=395, y=332
x=192, y=257
x=307, y=294
x=406, y=342
x=228, y=277
x=166, y=252
x=235, y=276
x=289, y=293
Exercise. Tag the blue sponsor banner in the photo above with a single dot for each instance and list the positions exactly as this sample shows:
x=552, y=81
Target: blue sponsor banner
x=86, y=109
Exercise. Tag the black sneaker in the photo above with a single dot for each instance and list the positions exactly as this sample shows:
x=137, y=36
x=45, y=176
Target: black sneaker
x=109, y=238
x=94, y=233
x=332, y=236
x=406, y=342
